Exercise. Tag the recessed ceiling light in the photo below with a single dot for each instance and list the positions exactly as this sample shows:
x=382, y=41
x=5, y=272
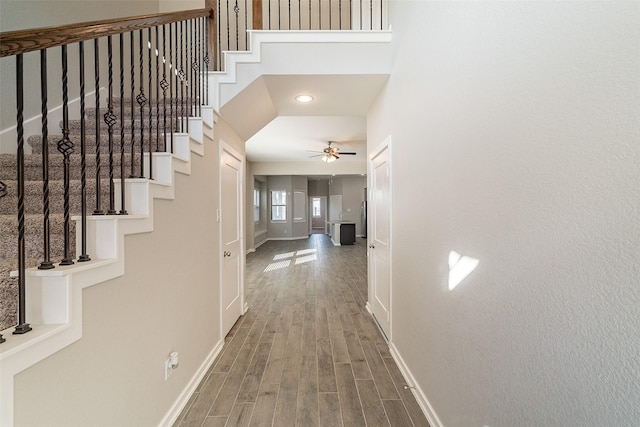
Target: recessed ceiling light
x=304, y=98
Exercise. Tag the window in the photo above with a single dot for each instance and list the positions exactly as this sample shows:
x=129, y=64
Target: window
x=278, y=205
x=256, y=205
x=299, y=206
x=315, y=207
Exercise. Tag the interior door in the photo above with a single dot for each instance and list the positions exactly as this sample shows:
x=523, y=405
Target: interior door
x=231, y=232
x=379, y=237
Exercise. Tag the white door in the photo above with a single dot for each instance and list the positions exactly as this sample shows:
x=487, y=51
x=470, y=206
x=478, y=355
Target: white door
x=379, y=237
x=231, y=235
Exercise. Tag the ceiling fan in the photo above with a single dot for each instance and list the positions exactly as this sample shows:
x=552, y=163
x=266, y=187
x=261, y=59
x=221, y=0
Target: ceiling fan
x=331, y=154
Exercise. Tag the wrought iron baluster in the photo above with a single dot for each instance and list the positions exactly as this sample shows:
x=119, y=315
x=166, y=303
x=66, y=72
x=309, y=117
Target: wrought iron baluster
x=228, y=28
x=207, y=60
x=23, y=326
x=150, y=106
x=65, y=146
x=199, y=97
x=194, y=71
x=309, y=14
x=83, y=161
x=330, y=12
x=123, y=208
x=110, y=119
x=339, y=14
x=157, y=92
x=142, y=101
x=299, y=15
x=182, y=75
x=246, y=25
x=164, y=84
x=371, y=14
x=219, y=29
x=46, y=263
x=289, y=4
x=360, y=9
x=190, y=85
x=132, y=100
x=96, y=65
x=173, y=77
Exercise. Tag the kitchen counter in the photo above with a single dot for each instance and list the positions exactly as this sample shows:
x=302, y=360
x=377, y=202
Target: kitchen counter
x=342, y=232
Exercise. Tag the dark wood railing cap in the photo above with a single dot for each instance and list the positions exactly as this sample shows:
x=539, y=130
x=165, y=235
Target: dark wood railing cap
x=22, y=41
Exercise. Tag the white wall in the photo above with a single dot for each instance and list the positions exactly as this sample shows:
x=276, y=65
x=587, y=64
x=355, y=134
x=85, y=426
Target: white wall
x=516, y=141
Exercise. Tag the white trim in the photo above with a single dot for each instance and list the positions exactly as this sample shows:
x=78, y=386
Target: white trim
x=421, y=398
x=180, y=403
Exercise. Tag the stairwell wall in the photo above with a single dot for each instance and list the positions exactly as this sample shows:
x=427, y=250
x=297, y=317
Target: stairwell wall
x=168, y=300
x=515, y=133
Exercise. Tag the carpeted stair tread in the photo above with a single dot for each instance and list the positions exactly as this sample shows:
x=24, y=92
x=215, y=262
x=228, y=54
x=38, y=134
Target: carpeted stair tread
x=33, y=197
x=35, y=142
x=33, y=166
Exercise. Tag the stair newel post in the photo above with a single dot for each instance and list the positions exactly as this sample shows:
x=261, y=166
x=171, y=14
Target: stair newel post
x=132, y=101
x=110, y=119
x=96, y=66
x=46, y=263
x=65, y=147
x=164, y=84
x=150, y=106
x=83, y=161
x=142, y=100
x=23, y=326
x=123, y=207
x=157, y=89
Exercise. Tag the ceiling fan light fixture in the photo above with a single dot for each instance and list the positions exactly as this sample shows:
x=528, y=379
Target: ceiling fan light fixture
x=304, y=99
x=328, y=158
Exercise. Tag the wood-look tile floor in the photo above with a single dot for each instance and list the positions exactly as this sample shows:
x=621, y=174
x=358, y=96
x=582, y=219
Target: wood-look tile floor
x=307, y=353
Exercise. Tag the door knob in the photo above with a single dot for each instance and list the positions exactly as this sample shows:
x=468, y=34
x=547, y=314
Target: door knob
x=227, y=253
x=372, y=247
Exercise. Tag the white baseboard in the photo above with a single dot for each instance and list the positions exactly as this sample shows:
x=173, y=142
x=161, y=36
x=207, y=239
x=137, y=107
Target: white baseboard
x=426, y=407
x=181, y=402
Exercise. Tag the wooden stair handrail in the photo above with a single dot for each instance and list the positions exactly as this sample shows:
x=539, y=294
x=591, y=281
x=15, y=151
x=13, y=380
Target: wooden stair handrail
x=22, y=41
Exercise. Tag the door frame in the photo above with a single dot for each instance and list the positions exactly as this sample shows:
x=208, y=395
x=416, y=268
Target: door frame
x=224, y=146
x=384, y=145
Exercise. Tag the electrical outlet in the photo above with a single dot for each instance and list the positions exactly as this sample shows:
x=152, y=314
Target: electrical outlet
x=170, y=365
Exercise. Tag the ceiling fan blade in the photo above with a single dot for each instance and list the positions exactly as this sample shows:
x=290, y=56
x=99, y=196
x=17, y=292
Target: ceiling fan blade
x=316, y=155
x=348, y=153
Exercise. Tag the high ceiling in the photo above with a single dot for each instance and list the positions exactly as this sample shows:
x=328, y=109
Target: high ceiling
x=280, y=129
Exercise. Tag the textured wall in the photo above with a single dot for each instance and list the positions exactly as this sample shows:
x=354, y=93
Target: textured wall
x=520, y=122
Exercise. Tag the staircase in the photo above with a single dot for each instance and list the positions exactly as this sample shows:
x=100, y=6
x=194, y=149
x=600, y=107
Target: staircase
x=34, y=226
x=55, y=296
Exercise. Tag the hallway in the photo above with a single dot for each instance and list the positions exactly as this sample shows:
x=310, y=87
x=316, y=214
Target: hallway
x=307, y=353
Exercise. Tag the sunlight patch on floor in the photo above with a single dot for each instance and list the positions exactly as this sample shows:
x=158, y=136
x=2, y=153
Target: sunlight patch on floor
x=308, y=258
x=306, y=251
x=284, y=256
x=277, y=265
